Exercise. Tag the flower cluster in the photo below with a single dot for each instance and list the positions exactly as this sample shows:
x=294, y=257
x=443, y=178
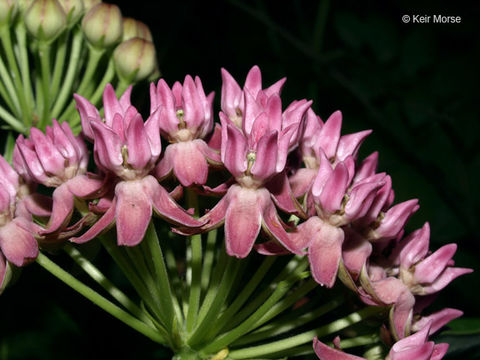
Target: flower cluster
x=345, y=217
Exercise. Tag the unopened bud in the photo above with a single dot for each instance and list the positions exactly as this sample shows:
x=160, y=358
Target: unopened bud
x=74, y=10
x=135, y=59
x=88, y=4
x=102, y=25
x=23, y=5
x=133, y=28
x=45, y=19
x=7, y=11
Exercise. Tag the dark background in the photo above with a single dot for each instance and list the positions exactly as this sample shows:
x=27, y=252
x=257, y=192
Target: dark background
x=415, y=85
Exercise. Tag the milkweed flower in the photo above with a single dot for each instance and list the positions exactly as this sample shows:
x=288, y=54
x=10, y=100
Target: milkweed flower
x=128, y=149
x=17, y=231
x=185, y=119
x=57, y=159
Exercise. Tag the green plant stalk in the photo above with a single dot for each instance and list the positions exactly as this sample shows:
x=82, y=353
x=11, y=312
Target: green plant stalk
x=21, y=34
x=72, y=68
x=99, y=300
x=8, y=91
x=293, y=269
x=287, y=323
x=174, y=278
x=208, y=258
x=130, y=272
x=212, y=306
x=94, y=56
x=243, y=296
x=249, y=324
x=44, y=55
x=11, y=120
x=60, y=55
x=105, y=283
x=286, y=303
x=12, y=63
x=303, y=338
x=161, y=276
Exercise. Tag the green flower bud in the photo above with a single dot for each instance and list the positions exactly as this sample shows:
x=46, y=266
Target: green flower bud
x=8, y=9
x=90, y=4
x=135, y=59
x=103, y=25
x=134, y=28
x=74, y=10
x=45, y=19
x=23, y=5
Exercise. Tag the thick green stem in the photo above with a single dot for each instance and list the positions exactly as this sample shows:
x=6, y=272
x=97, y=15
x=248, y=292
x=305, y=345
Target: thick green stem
x=21, y=33
x=300, y=339
x=60, y=56
x=8, y=90
x=99, y=300
x=208, y=258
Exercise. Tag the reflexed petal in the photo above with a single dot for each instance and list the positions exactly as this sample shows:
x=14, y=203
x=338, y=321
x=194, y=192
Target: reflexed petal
x=355, y=251
x=165, y=206
x=439, y=351
x=242, y=221
x=103, y=224
x=444, y=279
x=282, y=194
x=324, y=253
x=88, y=112
x=348, y=145
x=86, y=186
x=133, y=212
x=437, y=320
x=62, y=209
x=325, y=352
x=414, y=247
x=17, y=243
x=36, y=204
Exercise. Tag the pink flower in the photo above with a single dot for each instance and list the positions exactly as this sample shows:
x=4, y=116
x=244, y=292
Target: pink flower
x=17, y=233
x=185, y=119
x=57, y=159
x=325, y=352
x=128, y=149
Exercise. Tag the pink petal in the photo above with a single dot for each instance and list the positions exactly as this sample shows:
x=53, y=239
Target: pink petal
x=111, y=105
x=324, y=254
x=282, y=194
x=86, y=186
x=367, y=167
x=325, y=352
x=139, y=153
x=271, y=248
x=348, y=145
x=108, y=146
x=253, y=82
x=395, y=219
x=36, y=204
x=194, y=113
x=103, y=224
x=334, y=190
x=132, y=213
x=330, y=135
x=266, y=156
x=355, y=251
x=51, y=159
x=234, y=149
x=189, y=165
x=444, y=279
x=231, y=95
x=88, y=113
x=437, y=320
x=17, y=243
x=165, y=206
x=62, y=209
x=431, y=267
x=414, y=247
x=168, y=116
x=242, y=221
x=439, y=351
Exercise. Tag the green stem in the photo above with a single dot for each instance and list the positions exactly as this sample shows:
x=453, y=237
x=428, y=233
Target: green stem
x=59, y=63
x=212, y=305
x=287, y=323
x=161, y=277
x=44, y=55
x=208, y=258
x=85, y=88
x=306, y=337
x=293, y=269
x=12, y=121
x=21, y=33
x=244, y=295
x=12, y=63
x=249, y=324
x=99, y=300
x=72, y=69
x=106, y=284
x=8, y=90
x=130, y=271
